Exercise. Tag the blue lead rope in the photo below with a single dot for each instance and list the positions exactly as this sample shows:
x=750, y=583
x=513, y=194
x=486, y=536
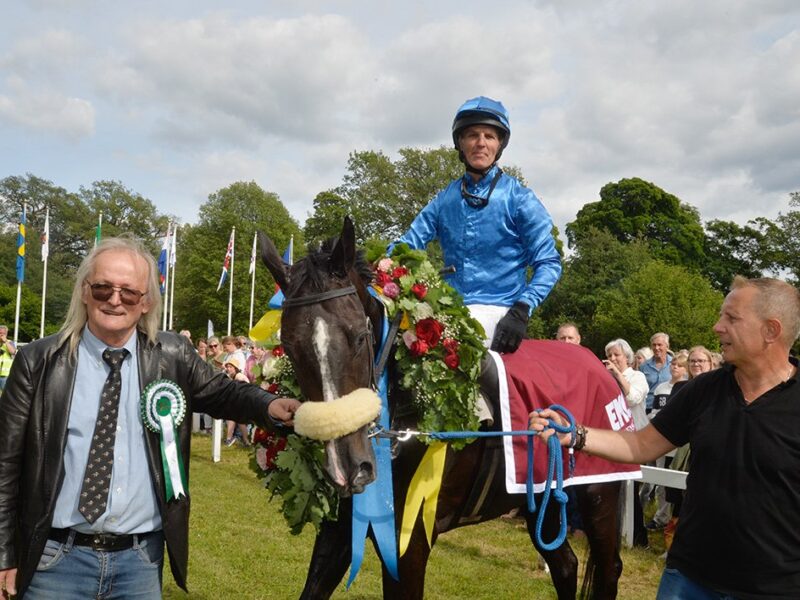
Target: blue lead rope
x=555, y=470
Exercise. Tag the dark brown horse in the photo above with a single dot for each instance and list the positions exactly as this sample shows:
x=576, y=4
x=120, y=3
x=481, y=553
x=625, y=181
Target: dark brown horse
x=326, y=326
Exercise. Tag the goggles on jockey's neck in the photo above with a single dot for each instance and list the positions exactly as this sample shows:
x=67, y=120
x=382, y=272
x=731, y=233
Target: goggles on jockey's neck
x=479, y=201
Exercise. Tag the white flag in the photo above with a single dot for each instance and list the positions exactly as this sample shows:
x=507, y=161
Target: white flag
x=253, y=255
x=172, y=248
x=46, y=237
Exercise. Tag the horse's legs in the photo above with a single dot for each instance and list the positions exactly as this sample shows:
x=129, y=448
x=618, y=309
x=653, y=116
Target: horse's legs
x=599, y=506
x=331, y=555
x=411, y=568
x=562, y=561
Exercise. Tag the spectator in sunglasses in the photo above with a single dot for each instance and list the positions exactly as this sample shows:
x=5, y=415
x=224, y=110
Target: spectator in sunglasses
x=68, y=507
x=215, y=353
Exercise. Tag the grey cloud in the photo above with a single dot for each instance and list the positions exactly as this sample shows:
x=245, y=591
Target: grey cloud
x=293, y=78
x=71, y=118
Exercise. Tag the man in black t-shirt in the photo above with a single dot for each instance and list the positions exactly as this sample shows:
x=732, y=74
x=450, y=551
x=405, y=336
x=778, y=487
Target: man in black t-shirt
x=739, y=531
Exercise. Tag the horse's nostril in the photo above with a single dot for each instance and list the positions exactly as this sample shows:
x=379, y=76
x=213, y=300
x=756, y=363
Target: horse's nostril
x=365, y=475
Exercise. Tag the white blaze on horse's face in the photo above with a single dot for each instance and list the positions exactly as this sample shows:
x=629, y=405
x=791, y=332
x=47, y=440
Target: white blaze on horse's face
x=321, y=341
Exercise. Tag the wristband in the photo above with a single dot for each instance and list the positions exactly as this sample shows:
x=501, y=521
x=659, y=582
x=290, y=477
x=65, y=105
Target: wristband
x=580, y=437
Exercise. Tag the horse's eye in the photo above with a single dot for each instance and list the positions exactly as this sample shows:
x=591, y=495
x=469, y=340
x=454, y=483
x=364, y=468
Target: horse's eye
x=361, y=339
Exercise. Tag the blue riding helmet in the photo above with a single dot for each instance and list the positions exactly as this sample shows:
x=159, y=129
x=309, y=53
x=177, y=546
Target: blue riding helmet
x=482, y=111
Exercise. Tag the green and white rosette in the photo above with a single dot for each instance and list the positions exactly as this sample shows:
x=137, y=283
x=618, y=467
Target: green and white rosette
x=163, y=410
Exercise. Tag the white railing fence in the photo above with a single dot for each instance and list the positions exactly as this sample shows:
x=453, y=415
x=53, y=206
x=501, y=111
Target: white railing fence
x=656, y=476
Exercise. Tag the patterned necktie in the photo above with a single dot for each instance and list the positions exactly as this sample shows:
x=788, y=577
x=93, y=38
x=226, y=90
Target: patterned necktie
x=97, y=479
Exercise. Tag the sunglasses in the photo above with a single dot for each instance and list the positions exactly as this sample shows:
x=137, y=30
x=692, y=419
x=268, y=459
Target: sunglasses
x=213, y=345
x=103, y=291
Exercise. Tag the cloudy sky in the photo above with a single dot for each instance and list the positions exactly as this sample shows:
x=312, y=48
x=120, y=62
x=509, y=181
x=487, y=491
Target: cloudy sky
x=177, y=99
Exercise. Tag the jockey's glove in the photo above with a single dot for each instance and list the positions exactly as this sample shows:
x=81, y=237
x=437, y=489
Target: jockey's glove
x=511, y=328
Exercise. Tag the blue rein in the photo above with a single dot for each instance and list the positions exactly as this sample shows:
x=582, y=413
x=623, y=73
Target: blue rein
x=555, y=470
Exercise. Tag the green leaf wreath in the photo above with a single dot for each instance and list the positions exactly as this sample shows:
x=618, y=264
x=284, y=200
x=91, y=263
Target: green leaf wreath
x=439, y=353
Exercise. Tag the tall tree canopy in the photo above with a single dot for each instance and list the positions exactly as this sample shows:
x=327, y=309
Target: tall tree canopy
x=660, y=297
x=599, y=264
x=733, y=249
x=73, y=218
x=201, y=251
x=380, y=195
x=634, y=208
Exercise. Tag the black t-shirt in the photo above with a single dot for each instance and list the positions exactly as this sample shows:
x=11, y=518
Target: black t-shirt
x=739, y=529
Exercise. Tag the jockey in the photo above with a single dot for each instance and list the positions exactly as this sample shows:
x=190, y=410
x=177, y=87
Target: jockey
x=491, y=229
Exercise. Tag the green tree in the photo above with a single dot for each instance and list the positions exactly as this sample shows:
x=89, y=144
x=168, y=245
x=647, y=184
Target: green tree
x=124, y=211
x=201, y=250
x=67, y=245
x=600, y=263
x=329, y=212
x=29, y=312
x=370, y=188
x=732, y=249
x=634, y=208
x=73, y=218
x=783, y=240
x=422, y=174
x=660, y=297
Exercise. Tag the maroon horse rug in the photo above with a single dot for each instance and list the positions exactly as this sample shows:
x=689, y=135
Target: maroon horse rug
x=542, y=373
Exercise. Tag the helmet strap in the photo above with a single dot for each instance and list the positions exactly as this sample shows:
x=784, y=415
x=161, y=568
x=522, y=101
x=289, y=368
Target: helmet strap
x=480, y=201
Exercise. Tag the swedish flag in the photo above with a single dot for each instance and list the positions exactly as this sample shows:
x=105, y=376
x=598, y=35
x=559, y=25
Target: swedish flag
x=21, y=249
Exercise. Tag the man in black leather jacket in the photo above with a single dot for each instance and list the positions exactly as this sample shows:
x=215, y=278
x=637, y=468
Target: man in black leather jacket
x=115, y=304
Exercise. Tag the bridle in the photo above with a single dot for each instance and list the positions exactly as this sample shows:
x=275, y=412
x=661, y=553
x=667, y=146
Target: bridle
x=317, y=298
x=310, y=299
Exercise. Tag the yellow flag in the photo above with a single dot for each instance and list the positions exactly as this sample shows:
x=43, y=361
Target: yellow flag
x=266, y=326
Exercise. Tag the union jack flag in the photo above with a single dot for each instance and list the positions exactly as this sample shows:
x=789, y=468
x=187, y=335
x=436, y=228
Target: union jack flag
x=226, y=265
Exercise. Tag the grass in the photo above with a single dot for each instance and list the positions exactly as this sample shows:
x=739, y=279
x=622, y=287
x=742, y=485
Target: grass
x=240, y=547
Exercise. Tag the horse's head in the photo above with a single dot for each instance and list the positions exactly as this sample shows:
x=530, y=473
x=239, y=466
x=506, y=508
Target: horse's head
x=326, y=330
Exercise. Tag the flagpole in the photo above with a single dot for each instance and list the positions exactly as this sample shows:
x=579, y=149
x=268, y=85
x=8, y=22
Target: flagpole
x=166, y=282
x=16, y=312
x=253, y=281
x=171, y=263
x=216, y=434
x=45, y=255
x=230, y=290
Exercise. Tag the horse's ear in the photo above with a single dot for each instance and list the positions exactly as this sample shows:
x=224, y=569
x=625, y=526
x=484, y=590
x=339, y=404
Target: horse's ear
x=343, y=256
x=273, y=260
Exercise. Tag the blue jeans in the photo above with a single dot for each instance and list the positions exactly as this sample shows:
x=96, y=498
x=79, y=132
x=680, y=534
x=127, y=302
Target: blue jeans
x=676, y=586
x=71, y=572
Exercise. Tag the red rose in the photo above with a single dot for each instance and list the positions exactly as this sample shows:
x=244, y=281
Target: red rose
x=451, y=360
x=273, y=448
x=260, y=436
x=278, y=351
x=419, y=290
x=418, y=348
x=399, y=272
x=450, y=345
x=429, y=331
x=273, y=388
x=382, y=278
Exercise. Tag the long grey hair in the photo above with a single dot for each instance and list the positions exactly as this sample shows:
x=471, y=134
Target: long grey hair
x=77, y=316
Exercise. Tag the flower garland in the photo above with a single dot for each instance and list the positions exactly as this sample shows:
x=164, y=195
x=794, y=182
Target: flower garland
x=291, y=466
x=439, y=353
x=442, y=345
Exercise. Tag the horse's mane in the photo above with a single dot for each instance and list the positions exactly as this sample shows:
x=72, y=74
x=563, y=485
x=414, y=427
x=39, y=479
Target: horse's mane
x=313, y=268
